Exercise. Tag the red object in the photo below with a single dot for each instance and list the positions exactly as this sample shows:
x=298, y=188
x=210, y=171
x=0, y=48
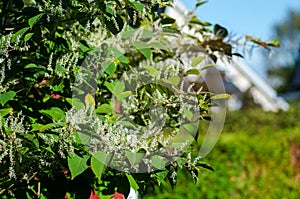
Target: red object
x=55, y=96
x=95, y=196
x=118, y=196
x=118, y=107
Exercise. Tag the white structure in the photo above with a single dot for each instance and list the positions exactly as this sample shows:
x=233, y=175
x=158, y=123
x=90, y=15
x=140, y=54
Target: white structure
x=237, y=71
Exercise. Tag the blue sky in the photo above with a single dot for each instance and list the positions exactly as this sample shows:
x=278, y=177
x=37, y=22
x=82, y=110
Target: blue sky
x=255, y=17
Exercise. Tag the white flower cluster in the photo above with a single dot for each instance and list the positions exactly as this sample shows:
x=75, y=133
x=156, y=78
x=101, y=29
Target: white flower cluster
x=10, y=141
x=8, y=43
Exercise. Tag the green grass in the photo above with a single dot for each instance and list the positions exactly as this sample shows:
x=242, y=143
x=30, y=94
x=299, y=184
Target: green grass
x=251, y=160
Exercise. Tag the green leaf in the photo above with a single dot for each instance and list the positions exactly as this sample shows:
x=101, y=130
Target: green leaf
x=54, y=113
x=99, y=161
x=5, y=111
x=195, y=20
x=119, y=55
x=188, y=114
x=126, y=124
x=221, y=96
x=274, y=43
x=49, y=149
x=192, y=71
x=208, y=66
x=161, y=175
x=77, y=164
x=109, y=67
x=34, y=66
x=104, y=108
x=167, y=19
x=58, y=87
x=90, y=102
x=5, y=97
x=84, y=138
x=138, y=6
x=97, y=167
x=83, y=47
x=76, y=103
x=36, y=127
x=238, y=55
x=128, y=33
x=132, y=181
x=191, y=128
x=204, y=165
x=33, y=20
x=146, y=34
x=134, y=158
x=174, y=80
x=197, y=60
x=152, y=70
x=60, y=69
x=143, y=48
x=28, y=36
x=158, y=162
x=158, y=45
x=116, y=88
x=199, y=3
x=50, y=126
x=102, y=157
x=32, y=139
x=18, y=34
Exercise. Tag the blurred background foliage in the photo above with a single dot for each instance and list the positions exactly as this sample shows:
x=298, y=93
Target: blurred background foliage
x=282, y=65
x=258, y=157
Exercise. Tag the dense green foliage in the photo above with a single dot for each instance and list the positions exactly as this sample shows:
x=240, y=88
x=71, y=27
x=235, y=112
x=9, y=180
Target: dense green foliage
x=50, y=51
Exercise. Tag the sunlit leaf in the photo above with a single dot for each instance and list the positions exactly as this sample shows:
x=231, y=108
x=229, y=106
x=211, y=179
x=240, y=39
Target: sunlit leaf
x=158, y=45
x=5, y=111
x=132, y=182
x=84, y=138
x=192, y=71
x=99, y=161
x=75, y=102
x=97, y=167
x=5, y=97
x=143, y=48
x=138, y=6
x=89, y=101
x=134, y=158
x=54, y=113
x=58, y=87
x=161, y=175
x=77, y=164
x=104, y=108
x=221, y=96
x=158, y=162
x=152, y=70
x=119, y=55
x=18, y=34
x=34, y=66
x=28, y=36
x=197, y=60
x=33, y=20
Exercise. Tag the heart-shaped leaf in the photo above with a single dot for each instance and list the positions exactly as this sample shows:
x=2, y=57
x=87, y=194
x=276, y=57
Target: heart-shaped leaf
x=5, y=97
x=77, y=164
